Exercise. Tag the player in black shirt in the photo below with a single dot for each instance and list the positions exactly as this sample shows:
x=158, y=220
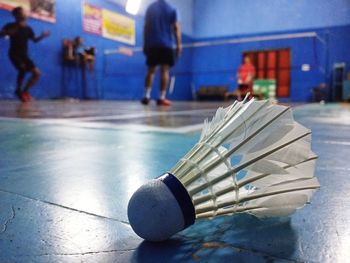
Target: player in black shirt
x=20, y=33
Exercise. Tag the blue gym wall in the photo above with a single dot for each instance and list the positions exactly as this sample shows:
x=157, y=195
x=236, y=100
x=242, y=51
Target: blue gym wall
x=104, y=83
x=226, y=19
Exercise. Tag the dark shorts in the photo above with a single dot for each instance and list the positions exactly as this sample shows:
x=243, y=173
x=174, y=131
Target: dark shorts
x=160, y=56
x=21, y=62
x=245, y=88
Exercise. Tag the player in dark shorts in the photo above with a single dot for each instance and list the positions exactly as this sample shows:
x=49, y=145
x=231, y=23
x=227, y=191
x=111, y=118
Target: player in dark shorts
x=20, y=33
x=161, y=27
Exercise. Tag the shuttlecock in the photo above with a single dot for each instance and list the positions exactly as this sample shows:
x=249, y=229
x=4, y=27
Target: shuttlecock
x=251, y=158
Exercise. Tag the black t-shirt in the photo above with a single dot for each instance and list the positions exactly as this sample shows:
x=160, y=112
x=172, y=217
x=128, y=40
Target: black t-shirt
x=19, y=36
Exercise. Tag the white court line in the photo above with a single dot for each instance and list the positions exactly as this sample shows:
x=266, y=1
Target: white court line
x=85, y=122
x=140, y=127
x=331, y=119
x=334, y=142
x=113, y=117
x=94, y=125
x=142, y=115
x=333, y=169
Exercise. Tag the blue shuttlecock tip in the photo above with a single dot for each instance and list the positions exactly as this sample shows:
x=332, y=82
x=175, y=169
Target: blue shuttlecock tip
x=160, y=208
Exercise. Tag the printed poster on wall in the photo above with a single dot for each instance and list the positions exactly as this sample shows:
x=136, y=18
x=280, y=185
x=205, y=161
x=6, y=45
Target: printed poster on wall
x=108, y=24
x=92, y=19
x=118, y=27
x=39, y=9
x=43, y=10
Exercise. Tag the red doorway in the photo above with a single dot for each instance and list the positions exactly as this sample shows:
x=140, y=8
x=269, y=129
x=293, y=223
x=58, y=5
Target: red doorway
x=273, y=64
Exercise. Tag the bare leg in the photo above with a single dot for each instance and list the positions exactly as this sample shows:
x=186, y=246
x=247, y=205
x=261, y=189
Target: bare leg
x=164, y=80
x=150, y=77
x=236, y=93
x=34, y=79
x=239, y=95
x=20, y=79
x=148, y=85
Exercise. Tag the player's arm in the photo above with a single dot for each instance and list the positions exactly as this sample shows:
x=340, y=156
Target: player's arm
x=178, y=37
x=5, y=31
x=43, y=35
x=253, y=72
x=251, y=75
x=145, y=32
x=240, y=75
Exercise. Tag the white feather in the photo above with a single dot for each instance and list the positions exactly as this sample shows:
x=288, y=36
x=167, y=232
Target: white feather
x=273, y=152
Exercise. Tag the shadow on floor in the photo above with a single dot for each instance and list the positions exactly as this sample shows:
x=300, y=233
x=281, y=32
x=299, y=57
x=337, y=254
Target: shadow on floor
x=240, y=238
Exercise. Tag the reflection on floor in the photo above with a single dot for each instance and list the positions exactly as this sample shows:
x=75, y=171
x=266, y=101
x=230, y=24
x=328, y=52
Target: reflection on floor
x=68, y=169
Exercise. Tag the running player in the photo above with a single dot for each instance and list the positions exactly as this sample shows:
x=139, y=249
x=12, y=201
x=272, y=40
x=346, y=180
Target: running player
x=20, y=33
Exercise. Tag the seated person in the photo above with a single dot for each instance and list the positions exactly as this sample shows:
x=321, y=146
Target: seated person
x=85, y=56
x=68, y=52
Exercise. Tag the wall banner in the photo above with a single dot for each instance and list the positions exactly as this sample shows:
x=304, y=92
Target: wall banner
x=108, y=24
x=92, y=19
x=118, y=27
x=43, y=10
x=39, y=9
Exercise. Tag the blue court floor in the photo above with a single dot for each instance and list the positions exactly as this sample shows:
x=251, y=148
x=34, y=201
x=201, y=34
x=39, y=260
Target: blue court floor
x=67, y=170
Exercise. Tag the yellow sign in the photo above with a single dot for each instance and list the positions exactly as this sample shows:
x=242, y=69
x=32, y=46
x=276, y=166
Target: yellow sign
x=118, y=27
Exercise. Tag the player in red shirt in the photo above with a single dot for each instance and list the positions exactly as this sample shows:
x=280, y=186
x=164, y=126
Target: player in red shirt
x=245, y=76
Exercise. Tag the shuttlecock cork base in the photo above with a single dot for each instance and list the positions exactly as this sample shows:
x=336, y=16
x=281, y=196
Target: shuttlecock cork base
x=160, y=209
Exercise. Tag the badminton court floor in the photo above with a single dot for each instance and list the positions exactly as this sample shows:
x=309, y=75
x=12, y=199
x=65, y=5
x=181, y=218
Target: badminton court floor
x=67, y=170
